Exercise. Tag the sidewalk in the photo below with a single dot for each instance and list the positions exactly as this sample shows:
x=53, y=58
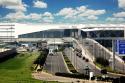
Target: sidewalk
x=48, y=77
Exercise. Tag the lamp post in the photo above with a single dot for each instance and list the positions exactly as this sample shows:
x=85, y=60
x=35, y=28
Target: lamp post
x=113, y=49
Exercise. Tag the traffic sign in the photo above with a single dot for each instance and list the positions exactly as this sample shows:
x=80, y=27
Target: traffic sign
x=120, y=46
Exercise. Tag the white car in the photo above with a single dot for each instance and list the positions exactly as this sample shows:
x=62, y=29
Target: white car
x=51, y=52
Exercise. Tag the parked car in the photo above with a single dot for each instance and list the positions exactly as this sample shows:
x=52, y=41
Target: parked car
x=83, y=58
x=87, y=60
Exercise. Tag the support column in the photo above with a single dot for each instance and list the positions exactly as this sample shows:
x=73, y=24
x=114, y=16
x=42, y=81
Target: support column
x=88, y=35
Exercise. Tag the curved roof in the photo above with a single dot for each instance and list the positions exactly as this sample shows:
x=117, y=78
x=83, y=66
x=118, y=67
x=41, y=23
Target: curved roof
x=99, y=27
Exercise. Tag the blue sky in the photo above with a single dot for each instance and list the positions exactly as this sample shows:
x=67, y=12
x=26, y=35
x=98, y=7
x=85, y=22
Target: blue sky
x=62, y=11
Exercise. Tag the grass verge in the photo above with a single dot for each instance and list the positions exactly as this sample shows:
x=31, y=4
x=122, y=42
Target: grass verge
x=18, y=69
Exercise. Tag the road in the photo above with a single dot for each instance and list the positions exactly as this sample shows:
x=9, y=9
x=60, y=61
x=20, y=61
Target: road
x=79, y=63
x=55, y=63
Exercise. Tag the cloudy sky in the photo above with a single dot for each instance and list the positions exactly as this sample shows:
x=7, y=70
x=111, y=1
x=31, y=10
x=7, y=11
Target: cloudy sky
x=62, y=11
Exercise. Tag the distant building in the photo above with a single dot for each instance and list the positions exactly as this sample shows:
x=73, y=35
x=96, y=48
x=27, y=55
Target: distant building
x=7, y=32
x=53, y=33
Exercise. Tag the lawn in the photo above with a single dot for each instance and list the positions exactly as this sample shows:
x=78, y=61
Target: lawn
x=18, y=69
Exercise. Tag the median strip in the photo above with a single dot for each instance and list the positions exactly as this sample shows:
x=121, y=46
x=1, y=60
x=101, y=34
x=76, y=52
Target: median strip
x=69, y=64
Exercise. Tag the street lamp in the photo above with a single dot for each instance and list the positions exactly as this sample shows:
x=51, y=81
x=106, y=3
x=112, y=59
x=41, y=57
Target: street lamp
x=113, y=49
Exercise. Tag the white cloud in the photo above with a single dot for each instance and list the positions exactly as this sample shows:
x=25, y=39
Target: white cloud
x=47, y=14
x=17, y=16
x=89, y=12
x=33, y=16
x=113, y=19
x=80, y=12
x=92, y=17
x=121, y=3
x=81, y=8
x=118, y=17
x=47, y=20
x=17, y=5
x=67, y=12
x=119, y=14
x=39, y=4
x=45, y=17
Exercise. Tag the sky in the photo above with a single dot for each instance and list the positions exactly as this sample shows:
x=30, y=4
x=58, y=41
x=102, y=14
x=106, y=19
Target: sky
x=62, y=11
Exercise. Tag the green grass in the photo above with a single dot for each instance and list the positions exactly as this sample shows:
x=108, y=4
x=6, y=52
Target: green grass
x=18, y=69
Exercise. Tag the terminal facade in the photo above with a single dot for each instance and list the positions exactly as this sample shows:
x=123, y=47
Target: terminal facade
x=98, y=33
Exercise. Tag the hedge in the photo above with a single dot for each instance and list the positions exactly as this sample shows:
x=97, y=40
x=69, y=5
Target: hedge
x=7, y=54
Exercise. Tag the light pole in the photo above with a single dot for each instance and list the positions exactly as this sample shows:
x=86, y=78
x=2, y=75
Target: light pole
x=113, y=49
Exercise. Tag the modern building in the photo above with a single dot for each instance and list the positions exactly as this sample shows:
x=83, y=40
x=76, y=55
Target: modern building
x=97, y=32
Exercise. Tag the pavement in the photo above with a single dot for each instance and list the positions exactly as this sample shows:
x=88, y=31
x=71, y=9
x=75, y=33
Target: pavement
x=49, y=77
x=55, y=63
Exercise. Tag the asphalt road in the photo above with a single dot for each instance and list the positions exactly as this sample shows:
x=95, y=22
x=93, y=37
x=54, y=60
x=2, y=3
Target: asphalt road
x=55, y=63
x=79, y=63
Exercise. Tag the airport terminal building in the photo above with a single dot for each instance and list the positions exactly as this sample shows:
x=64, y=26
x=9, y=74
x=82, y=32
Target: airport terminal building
x=97, y=32
x=86, y=31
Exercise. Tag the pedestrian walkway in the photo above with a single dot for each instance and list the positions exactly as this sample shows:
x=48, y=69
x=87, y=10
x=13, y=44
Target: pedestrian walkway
x=49, y=77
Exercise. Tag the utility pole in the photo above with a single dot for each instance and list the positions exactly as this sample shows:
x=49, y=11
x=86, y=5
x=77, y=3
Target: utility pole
x=113, y=49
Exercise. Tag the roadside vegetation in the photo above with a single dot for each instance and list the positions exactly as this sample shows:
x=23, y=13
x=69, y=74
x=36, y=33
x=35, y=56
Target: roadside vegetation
x=104, y=65
x=19, y=69
x=40, y=60
x=5, y=55
x=66, y=59
x=69, y=64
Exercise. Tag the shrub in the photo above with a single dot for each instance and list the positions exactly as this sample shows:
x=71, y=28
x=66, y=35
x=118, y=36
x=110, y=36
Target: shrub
x=74, y=75
x=42, y=58
x=102, y=61
x=7, y=55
